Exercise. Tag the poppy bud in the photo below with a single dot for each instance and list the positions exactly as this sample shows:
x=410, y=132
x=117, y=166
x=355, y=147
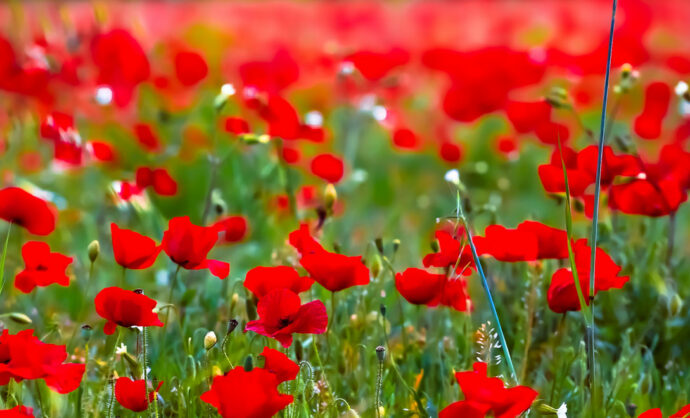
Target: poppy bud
x=646, y=384
x=233, y=301
x=250, y=305
x=558, y=98
x=232, y=324
x=675, y=305
x=299, y=352
x=219, y=205
x=210, y=340
x=132, y=363
x=248, y=364
x=94, y=250
x=382, y=309
x=628, y=78
x=86, y=332
x=396, y=245
x=381, y=352
x=20, y=318
x=379, y=244
x=139, y=291
x=251, y=139
x=376, y=266
x=330, y=195
x=434, y=246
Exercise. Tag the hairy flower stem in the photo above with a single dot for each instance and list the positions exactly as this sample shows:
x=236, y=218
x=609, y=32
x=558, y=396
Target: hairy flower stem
x=111, y=403
x=485, y=284
x=379, y=384
x=595, y=222
x=532, y=298
x=144, y=357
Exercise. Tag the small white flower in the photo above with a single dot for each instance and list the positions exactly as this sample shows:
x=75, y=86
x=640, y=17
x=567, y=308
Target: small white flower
x=227, y=90
x=452, y=176
x=104, y=95
x=121, y=349
x=681, y=88
x=562, y=410
x=379, y=113
x=314, y=118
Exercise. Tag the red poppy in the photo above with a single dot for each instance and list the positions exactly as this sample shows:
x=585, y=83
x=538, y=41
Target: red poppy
x=131, y=394
x=133, y=250
x=158, y=178
x=450, y=152
x=190, y=67
x=236, y=125
x=262, y=280
x=528, y=116
x=18, y=411
x=375, y=65
x=405, y=138
x=232, y=228
x=656, y=103
x=24, y=356
x=448, y=254
x=507, y=244
x=102, y=151
x=126, y=309
x=485, y=394
x=246, y=394
x=419, y=287
x=146, y=137
x=644, y=197
x=26, y=210
x=328, y=167
x=281, y=314
x=684, y=412
x=270, y=76
x=562, y=294
x=42, y=268
x=59, y=128
x=121, y=63
x=279, y=364
x=551, y=242
x=188, y=245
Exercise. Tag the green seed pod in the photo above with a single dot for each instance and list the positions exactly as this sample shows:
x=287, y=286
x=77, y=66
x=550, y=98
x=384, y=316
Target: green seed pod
x=20, y=318
x=376, y=266
x=248, y=364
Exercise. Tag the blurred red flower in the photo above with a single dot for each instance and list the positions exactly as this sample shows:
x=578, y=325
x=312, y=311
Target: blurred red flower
x=102, y=151
x=487, y=394
x=262, y=280
x=18, y=411
x=270, y=76
x=232, y=228
x=26, y=210
x=236, y=125
x=246, y=394
x=657, y=98
x=133, y=250
x=146, y=137
x=158, y=178
x=281, y=314
x=684, y=412
x=562, y=294
x=328, y=167
x=279, y=364
x=448, y=254
x=131, y=394
x=333, y=271
x=190, y=67
x=24, y=356
x=121, y=62
x=188, y=246
x=376, y=65
x=42, y=268
x=126, y=309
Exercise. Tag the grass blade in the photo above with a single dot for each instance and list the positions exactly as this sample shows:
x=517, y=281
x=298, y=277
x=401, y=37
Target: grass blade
x=4, y=255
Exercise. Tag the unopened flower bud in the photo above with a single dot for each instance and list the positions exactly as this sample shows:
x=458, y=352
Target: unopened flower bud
x=330, y=195
x=94, y=250
x=382, y=309
x=232, y=324
x=376, y=266
x=675, y=305
x=248, y=364
x=396, y=245
x=558, y=98
x=381, y=352
x=379, y=244
x=210, y=340
x=86, y=331
x=646, y=384
x=20, y=318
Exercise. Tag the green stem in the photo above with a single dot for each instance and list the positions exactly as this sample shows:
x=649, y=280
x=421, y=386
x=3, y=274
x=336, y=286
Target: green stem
x=170, y=294
x=4, y=255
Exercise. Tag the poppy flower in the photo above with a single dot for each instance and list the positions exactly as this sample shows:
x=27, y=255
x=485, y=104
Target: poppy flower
x=158, y=178
x=281, y=117
x=657, y=98
x=190, y=67
x=551, y=242
x=146, y=137
x=450, y=152
x=648, y=198
x=507, y=244
x=271, y=76
x=232, y=228
x=42, y=268
x=279, y=364
x=60, y=130
x=26, y=210
x=419, y=287
x=24, y=356
x=121, y=63
x=102, y=151
x=246, y=394
x=133, y=250
x=485, y=394
x=528, y=116
x=262, y=280
x=562, y=294
x=19, y=411
x=126, y=309
x=376, y=65
x=448, y=254
x=131, y=394
x=405, y=138
x=328, y=167
x=188, y=246
x=281, y=314
x=684, y=412
x=237, y=126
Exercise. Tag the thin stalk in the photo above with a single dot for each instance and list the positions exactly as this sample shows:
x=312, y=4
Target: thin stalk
x=595, y=217
x=530, y=323
x=4, y=255
x=379, y=384
x=170, y=295
x=671, y=237
x=485, y=285
x=215, y=162
x=144, y=358
x=287, y=178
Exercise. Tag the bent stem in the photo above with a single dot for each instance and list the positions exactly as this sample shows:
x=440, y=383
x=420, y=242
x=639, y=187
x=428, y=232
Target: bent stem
x=4, y=255
x=485, y=284
x=595, y=217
